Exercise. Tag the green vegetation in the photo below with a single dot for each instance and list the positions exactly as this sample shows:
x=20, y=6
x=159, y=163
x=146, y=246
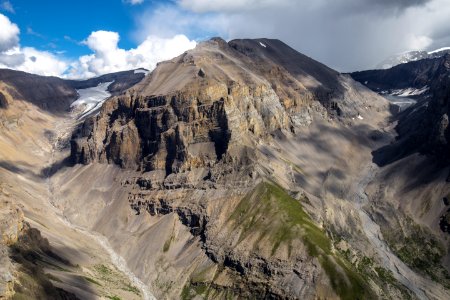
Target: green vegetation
x=91, y=280
x=191, y=290
x=385, y=275
x=270, y=212
x=205, y=290
x=167, y=243
x=131, y=288
x=103, y=270
x=419, y=249
x=295, y=167
x=113, y=297
x=112, y=277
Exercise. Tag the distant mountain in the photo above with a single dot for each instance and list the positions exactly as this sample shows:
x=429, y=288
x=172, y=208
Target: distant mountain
x=48, y=93
x=411, y=56
x=424, y=127
x=55, y=94
x=120, y=80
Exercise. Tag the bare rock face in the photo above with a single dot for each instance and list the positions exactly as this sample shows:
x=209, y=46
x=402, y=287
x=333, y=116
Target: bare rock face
x=11, y=225
x=192, y=110
x=198, y=131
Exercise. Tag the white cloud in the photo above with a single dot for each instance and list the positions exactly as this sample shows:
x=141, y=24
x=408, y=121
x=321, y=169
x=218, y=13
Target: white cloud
x=134, y=2
x=25, y=59
x=34, y=61
x=9, y=34
x=108, y=57
x=421, y=42
x=201, y=6
x=7, y=6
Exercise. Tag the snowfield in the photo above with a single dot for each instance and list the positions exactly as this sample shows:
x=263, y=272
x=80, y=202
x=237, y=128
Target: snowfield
x=409, y=92
x=137, y=71
x=91, y=99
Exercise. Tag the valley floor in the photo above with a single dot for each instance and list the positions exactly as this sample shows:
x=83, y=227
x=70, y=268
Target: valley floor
x=116, y=256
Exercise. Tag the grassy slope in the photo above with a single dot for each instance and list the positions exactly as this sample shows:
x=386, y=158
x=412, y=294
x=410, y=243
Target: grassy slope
x=270, y=212
x=272, y=215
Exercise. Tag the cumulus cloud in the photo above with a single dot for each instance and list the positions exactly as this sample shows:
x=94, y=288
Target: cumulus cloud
x=107, y=57
x=34, y=61
x=27, y=59
x=9, y=34
x=154, y=22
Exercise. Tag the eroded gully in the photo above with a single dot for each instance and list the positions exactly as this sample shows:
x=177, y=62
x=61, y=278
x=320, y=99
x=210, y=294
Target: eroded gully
x=62, y=132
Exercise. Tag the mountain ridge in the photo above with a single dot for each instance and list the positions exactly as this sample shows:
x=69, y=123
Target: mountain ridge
x=236, y=169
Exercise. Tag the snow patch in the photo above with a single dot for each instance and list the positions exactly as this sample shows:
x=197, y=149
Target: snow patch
x=91, y=99
x=262, y=45
x=439, y=50
x=360, y=117
x=137, y=71
x=409, y=92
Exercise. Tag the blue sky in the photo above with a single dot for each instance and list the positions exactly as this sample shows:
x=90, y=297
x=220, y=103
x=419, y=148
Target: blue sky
x=62, y=25
x=83, y=38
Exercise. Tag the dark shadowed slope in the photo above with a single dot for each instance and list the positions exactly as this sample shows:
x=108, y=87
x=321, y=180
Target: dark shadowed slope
x=48, y=93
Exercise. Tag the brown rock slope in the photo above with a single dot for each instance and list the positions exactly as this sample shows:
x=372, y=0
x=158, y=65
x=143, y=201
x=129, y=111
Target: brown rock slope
x=243, y=162
x=43, y=256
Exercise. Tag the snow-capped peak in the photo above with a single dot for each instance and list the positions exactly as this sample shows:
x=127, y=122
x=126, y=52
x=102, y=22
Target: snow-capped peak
x=411, y=56
x=439, y=50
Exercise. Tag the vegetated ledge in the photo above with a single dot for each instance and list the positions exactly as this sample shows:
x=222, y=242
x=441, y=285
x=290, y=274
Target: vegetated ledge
x=271, y=214
x=284, y=221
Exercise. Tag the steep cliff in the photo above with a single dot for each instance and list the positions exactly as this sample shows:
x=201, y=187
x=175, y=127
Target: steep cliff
x=202, y=137
x=213, y=101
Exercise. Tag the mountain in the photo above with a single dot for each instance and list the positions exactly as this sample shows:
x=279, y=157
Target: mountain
x=55, y=94
x=48, y=93
x=415, y=165
x=411, y=56
x=120, y=81
x=43, y=256
x=423, y=127
x=239, y=169
x=243, y=144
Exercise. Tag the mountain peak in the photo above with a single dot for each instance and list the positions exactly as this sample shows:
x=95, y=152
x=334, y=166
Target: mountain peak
x=409, y=56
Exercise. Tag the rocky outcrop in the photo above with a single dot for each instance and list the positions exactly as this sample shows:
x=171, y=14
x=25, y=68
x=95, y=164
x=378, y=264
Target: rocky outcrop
x=11, y=226
x=177, y=120
x=197, y=135
x=21, y=252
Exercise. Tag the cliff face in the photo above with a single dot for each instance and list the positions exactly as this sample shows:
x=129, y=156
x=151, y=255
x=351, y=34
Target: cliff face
x=191, y=111
x=196, y=138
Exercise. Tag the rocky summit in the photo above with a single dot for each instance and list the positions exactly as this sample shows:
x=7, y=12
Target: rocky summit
x=237, y=170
